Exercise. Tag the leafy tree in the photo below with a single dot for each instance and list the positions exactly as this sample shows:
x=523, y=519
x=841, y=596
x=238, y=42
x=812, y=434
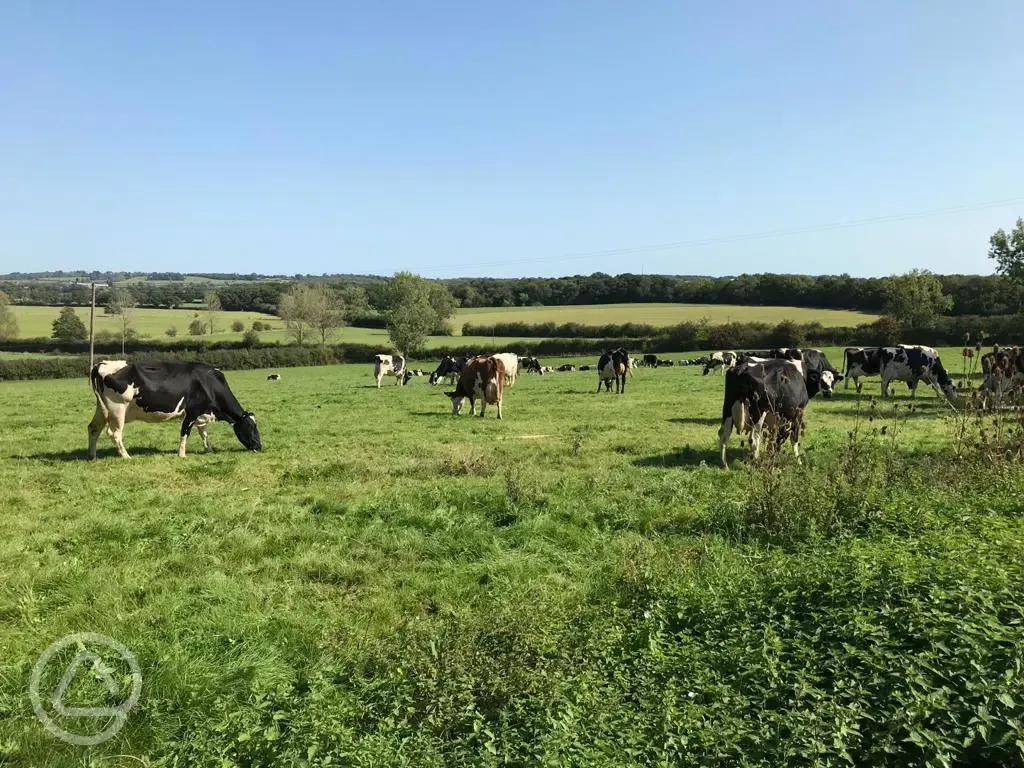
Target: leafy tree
x=413, y=308
x=196, y=327
x=298, y=309
x=8, y=322
x=69, y=327
x=1008, y=251
x=212, y=302
x=122, y=302
x=257, y=325
x=238, y=326
x=916, y=298
x=250, y=338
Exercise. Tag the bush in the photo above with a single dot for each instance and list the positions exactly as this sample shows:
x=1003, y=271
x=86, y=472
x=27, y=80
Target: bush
x=238, y=326
x=171, y=332
x=257, y=325
x=250, y=338
x=196, y=327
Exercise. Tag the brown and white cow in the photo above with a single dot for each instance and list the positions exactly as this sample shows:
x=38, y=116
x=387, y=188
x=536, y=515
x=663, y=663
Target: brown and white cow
x=483, y=378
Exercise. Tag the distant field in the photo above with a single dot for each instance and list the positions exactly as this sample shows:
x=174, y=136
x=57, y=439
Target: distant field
x=153, y=323
x=658, y=314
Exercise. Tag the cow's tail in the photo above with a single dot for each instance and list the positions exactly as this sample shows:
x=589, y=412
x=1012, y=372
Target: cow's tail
x=846, y=361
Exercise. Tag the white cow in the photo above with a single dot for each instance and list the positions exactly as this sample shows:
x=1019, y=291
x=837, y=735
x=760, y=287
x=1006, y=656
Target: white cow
x=390, y=365
x=511, y=362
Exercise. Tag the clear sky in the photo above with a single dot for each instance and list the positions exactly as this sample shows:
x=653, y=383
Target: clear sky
x=484, y=138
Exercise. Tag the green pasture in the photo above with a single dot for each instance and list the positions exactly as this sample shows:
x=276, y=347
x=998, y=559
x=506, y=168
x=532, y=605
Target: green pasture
x=658, y=314
x=576, y=584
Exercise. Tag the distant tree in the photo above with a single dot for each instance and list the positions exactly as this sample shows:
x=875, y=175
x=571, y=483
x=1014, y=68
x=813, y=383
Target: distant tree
x=1008, y=251
x=238, y=326
x=212, y=302
x=916, y=298
x=250, y=338
x=196, y=327
x=122, y=302
x=788, y=334
x=69, y=327
x=297, y=308
x=171, y=332
x=257, y=325
x=413, y=308
x=8, y=322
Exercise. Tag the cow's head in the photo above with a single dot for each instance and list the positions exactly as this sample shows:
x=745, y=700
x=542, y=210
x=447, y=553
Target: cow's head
x=247, y=432
x=821, y=381
x=456, y=402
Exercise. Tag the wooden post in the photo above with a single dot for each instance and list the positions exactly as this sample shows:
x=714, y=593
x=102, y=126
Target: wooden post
x=92, y=313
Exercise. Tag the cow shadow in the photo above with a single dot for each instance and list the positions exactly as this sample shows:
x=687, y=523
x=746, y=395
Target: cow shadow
x=446, y=413
x=703, y=421
x=82, y=454
x=687, y=456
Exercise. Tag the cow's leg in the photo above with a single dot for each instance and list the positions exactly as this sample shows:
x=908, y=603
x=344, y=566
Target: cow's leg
x=472, y=406
x=95, y=427
x=885, y=385
x=599, y=383
x=499, y=407
x=794, y=437
x=724, y=433
x=379, y=377
x=858, y=384
x=115, y=428
x=913, y=389
x=757, y=435
x=186, y=429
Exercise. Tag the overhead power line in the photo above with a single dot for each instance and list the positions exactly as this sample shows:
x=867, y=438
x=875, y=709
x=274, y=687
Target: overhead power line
x=683, y=244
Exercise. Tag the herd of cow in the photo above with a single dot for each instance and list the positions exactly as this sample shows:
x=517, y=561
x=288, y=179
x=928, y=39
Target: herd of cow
x=765, y=392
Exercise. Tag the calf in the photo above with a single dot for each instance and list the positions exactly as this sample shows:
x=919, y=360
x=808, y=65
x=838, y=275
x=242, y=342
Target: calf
x=858, y=362
x=613, y=365
x=914, y=363
x=157, y=392
x=390, y=365
x=482, y=378
x=510, y=363
x=566, y=367
x=769, y=395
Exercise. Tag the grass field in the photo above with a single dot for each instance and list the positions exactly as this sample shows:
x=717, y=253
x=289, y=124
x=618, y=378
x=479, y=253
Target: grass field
x=577, y=584
x=153, y=323
x=658, y=314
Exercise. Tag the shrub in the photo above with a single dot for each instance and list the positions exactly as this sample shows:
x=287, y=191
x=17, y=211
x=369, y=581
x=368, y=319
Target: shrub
x=257, y=325
x=250, y=338
x=196, y=327
x=171, y=332
x=238, y=326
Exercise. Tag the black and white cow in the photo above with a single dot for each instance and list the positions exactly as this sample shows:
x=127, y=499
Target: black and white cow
x=859, y=362
x=274, y=377
x=613, y=365
x=771, y=396
x=566, y=368
x=914, y=363
x=531, y=365
x=390, y=365
x=721, y=360
x=195, y=393
x=449, y=369
x=650, y=361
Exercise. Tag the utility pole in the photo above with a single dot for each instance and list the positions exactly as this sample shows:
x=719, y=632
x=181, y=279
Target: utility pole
x=92, y=314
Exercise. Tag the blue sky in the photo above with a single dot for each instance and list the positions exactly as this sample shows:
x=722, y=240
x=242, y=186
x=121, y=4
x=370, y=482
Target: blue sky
x=477, y=138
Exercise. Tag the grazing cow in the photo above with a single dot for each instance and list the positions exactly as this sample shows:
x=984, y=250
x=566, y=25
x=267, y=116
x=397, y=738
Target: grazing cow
x=547, y=369
x=1003, y=371
x=662, y=363
x=274, y=377
x=156, y=392
x=721, y=360
x=531, y=365
x=586, y=367
x=566, y=367
x=613, y=365
x=510, y=362
x=914, y=363
x=769, y=395
x=390, y=365
x=634, y=363
x=449, y=370
x=815, y=360
x=858, y=362
x=650, y=361
x=482, y=378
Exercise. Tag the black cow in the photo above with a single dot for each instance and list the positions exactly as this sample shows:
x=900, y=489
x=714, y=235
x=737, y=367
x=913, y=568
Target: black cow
x=450, y=368
x=649, y=361
x=858, y=362
x=156, y=392
x=613, y=365
x=769, y=395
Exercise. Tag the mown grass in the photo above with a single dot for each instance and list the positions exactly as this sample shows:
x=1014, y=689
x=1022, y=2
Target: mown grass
x=577, y=584
x=659, y=315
